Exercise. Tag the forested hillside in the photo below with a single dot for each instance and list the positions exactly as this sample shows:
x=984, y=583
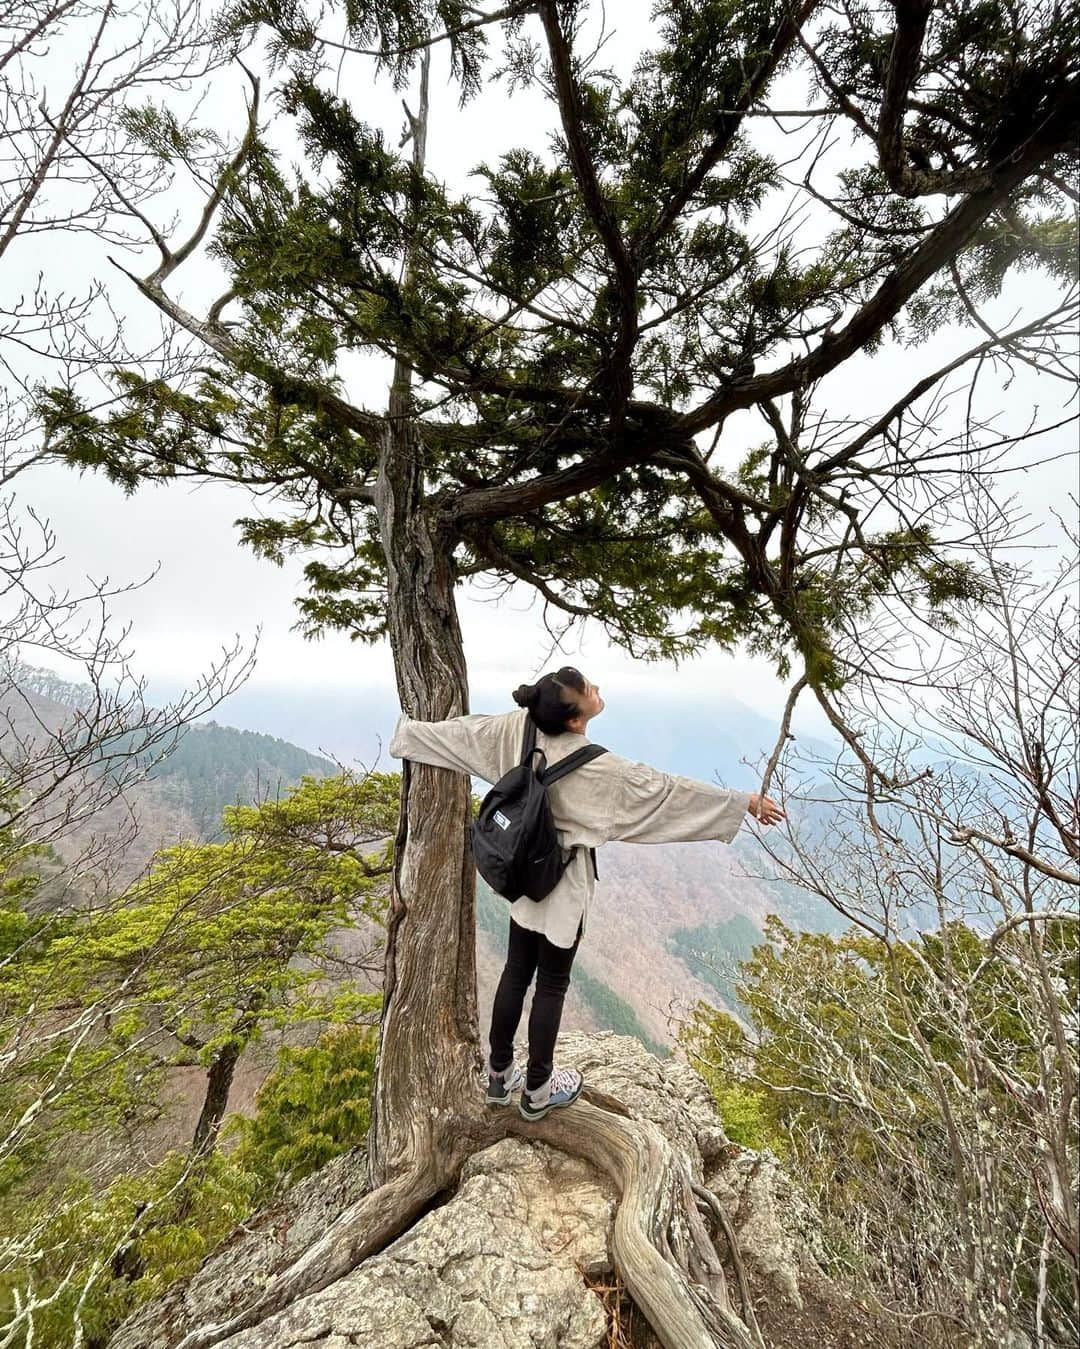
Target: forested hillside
x=184, y=784
x=631, y=987
x=214, y=766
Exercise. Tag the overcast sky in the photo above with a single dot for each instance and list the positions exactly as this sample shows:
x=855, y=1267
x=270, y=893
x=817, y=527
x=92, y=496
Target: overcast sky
x=207, y=590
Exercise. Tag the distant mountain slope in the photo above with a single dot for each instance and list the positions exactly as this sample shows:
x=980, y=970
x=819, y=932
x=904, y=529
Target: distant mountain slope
x=183, y=795
x=656, y=906
x=696, y=736
x=215, y=766
x=714, y=950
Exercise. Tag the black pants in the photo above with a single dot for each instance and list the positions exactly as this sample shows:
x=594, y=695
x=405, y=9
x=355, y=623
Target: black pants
x=529, y=953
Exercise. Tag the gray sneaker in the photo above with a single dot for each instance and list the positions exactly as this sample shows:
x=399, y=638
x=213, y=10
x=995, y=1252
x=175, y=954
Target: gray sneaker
x=563, y=1087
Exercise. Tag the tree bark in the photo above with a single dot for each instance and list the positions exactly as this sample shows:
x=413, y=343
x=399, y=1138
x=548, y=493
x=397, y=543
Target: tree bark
x=428, y=1055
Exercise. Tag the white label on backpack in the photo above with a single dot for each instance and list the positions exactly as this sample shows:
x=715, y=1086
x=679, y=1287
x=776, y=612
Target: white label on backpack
x=501, y=820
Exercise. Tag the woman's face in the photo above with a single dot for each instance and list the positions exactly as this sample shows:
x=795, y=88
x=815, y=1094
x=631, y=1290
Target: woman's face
x=590, y=704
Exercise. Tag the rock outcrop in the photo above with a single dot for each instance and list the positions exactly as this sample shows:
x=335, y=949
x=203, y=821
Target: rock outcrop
x=513, y=1259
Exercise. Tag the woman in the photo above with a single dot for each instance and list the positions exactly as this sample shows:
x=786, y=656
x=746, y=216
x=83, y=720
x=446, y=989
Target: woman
x=606, y=799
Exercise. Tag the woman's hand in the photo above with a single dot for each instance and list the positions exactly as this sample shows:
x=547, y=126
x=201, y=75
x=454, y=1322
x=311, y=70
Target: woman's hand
x=765, y=809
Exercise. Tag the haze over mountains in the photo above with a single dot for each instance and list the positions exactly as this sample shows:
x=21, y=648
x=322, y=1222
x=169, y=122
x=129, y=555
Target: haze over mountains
x=697, y=738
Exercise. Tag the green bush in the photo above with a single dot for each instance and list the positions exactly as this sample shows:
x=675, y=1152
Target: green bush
x=315, y=1105
x=746, y=1117
x=714, y=1042
x=92, y=1258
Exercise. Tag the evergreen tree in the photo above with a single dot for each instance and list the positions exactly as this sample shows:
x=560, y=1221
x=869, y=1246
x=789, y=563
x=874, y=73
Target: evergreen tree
x=219, y=944
x=78, y=1258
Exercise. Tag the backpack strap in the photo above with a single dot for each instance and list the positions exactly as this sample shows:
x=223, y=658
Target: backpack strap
x=572, y=761
x=529, y=746
x=565, y=766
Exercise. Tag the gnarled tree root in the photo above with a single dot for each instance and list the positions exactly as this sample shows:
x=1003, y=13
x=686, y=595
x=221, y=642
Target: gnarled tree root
x=661, y=1246
x=363, y=1229
x=709, y=1203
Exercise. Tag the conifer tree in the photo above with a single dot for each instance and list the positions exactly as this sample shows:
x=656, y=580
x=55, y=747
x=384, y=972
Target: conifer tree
x=215, y=946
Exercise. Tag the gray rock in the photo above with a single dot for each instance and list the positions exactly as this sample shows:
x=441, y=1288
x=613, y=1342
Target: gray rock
x=499, y=1267
x=666, y=1091
x=776, y=1230
x=503, y=1263
x=774, y=1226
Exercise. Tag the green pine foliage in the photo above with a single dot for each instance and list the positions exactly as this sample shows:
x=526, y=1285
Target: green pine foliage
x=217, y=940
x=217, y=945
x=315, y=1105
x=613, y=304
x=712, y=1041
x=92, y=1256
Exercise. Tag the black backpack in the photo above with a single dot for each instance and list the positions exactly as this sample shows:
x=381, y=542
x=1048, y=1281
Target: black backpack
x=514, y=842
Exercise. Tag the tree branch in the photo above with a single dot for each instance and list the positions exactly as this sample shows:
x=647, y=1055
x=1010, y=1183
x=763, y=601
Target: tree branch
x=923, y=386
x=904, y=57
x=780, y=43
x=619, y=378
x=487, y=545
x=894, y=292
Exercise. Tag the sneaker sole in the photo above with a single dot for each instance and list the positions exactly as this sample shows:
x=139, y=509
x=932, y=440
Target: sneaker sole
x=525, y=1113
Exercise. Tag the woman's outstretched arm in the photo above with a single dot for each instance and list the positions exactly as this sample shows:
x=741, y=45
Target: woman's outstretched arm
x=468, y=744
x=650, y=806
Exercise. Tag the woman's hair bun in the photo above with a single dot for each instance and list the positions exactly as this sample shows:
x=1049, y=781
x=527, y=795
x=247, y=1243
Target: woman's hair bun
x=524, y=695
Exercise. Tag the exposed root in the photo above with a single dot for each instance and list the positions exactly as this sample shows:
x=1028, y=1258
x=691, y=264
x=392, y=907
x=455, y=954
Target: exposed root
x=364, y=1228
x=712, y=1205
x=661, y=1247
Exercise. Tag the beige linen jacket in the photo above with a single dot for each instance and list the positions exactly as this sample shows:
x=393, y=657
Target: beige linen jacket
x=606, y=799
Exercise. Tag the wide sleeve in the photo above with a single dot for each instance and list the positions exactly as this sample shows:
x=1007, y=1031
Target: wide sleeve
x=650, y=806
x=468, y=744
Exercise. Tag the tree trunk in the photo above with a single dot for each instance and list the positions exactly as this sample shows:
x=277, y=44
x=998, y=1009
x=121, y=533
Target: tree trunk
x=428, y=1055
x=219, y=1082
x=428, y=1113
